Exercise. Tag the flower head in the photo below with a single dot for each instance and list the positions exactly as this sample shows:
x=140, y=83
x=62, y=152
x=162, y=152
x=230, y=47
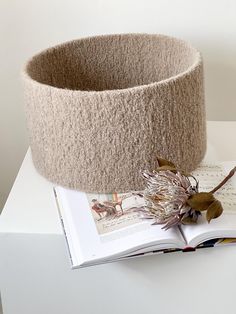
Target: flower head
x=166, y=194
x=173, y=199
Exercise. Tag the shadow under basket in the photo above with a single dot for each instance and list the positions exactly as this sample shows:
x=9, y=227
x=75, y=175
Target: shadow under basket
x=101, y=109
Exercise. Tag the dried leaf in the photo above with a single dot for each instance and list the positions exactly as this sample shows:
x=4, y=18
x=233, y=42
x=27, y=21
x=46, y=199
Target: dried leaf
x=164, y=162
x=188, y=220
x=166, y=167
x=201, y=201
x=214, y=210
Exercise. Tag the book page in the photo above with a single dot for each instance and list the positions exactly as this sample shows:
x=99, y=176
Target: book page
x=209, y=176
x=114, y=212
x=101, y=227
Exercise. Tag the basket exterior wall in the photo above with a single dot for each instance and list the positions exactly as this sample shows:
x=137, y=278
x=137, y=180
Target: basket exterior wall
x=99, y=141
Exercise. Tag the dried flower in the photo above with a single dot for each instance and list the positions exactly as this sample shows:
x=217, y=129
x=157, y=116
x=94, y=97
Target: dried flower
x=173, y=199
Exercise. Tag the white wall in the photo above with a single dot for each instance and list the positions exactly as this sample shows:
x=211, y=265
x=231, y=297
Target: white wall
x=28, y=26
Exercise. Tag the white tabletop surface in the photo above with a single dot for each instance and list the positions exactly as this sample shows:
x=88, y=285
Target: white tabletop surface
x=31, y=208
x=35, y=274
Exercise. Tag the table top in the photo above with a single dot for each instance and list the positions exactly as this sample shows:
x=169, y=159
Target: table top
x=31, y=207
x=35, y=270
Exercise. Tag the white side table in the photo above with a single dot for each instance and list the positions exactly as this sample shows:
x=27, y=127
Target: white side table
x=36, y=278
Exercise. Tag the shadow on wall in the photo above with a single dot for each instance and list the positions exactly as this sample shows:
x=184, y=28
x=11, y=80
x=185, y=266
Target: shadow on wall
x=220, y=78
x=1, y=312
x=221, y=91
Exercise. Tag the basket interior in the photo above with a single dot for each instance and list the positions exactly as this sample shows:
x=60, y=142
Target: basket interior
x=112, y=62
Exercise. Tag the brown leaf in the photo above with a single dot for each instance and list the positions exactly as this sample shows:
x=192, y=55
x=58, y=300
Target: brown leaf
x=164, y=162
x=214, y=210
x=188, y=220
x=164, y=168
x=200, y=201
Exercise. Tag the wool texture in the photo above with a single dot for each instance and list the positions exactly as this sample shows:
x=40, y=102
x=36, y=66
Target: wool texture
x=100, y=109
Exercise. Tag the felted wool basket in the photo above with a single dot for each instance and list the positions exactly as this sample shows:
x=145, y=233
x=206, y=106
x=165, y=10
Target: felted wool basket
x=101, y=109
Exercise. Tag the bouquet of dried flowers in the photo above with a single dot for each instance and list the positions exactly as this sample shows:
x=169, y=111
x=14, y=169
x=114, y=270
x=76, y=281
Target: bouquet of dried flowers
x=173, y=196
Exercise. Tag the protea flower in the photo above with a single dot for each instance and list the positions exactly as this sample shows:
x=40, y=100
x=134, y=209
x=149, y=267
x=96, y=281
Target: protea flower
x=173, y=199
x=167, y=194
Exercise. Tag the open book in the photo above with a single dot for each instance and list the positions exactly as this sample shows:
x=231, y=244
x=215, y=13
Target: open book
x=101, y=228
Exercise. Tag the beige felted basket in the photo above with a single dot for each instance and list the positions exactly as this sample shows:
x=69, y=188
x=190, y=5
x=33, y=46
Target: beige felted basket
x=101, y=109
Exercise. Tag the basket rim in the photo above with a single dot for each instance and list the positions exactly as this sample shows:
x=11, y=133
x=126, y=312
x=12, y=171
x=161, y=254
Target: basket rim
x=172, y=79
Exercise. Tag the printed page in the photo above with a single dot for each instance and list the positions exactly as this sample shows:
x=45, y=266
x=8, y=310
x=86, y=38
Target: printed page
x=101, y=226
x=209, y=176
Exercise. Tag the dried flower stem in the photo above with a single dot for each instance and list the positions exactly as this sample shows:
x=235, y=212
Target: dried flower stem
x=231, y=173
